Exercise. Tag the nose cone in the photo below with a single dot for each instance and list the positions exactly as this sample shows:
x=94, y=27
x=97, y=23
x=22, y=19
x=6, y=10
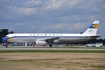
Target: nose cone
x=4, y=40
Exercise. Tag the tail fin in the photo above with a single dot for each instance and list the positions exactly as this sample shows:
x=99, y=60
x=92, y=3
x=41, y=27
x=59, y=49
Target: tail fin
x=93, y=28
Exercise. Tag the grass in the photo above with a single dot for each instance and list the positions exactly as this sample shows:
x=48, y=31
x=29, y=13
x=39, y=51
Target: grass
x=98, y=66
x=52, y=51
x=50, y=61
x=26, y=64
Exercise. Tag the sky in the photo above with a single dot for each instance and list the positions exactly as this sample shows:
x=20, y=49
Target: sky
x=54, y=16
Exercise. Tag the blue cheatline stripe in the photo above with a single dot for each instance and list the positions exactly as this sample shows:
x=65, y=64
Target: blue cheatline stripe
x=51, y=36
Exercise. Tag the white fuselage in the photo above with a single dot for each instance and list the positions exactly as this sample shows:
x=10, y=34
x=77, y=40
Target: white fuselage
x=59, y=37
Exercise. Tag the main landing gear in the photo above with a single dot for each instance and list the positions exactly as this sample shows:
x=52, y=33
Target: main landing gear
x=50, y=45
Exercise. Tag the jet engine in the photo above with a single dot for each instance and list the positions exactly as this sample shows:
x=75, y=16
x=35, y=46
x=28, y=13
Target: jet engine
x=42, y=43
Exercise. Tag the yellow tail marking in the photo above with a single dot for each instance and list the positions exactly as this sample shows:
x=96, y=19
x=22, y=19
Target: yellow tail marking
x=95, y=25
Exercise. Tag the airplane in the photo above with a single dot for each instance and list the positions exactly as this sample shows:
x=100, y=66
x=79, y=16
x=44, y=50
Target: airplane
x=51, y=38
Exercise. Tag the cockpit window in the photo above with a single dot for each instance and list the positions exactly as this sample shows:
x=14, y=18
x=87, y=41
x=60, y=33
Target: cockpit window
x=7, y=36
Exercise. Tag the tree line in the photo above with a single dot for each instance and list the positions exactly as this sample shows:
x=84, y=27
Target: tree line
x=94, y=41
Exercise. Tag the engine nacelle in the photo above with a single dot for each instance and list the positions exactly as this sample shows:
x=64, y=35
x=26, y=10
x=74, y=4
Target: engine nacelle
x=42, y=43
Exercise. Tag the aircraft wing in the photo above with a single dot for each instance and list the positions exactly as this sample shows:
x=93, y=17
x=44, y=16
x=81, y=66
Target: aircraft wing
x=50, y=39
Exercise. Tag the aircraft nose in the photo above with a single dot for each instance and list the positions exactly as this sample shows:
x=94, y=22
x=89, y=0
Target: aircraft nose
x=4, y=40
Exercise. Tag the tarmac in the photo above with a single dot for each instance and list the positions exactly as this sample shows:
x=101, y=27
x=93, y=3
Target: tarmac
x=50, y=48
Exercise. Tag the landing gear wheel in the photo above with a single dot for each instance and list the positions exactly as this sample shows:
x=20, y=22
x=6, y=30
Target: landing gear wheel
x=50, y=45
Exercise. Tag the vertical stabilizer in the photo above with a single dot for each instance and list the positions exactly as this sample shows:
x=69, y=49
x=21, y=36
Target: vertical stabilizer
x=93, y=28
